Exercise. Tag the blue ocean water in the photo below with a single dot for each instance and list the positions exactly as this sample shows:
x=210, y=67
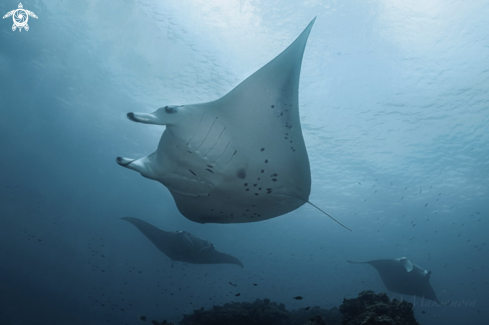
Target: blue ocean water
x=394, y=106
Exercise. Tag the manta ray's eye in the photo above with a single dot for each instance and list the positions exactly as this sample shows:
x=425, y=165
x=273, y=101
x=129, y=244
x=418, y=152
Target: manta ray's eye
x=171, y=109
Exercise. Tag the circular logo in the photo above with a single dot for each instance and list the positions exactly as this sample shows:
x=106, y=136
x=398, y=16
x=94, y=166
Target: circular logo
x=20, y=18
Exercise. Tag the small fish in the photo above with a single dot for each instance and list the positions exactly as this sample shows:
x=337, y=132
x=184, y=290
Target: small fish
x=308, y=307
x=143, y=318
x=255, y=284
x=233, y=284
x=426, y=205
x=238, y=294
x=298, y=298
x=423, y=312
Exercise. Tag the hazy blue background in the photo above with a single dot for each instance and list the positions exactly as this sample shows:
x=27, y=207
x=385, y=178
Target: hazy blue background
x=394, y=104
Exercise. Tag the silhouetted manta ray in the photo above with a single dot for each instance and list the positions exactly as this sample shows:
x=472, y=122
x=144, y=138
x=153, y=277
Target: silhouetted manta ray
x=240, y=158
x=182, y=246
x=402, y=276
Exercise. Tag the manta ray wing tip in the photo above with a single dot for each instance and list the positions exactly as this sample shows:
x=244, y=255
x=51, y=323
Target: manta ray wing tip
x=309, y=26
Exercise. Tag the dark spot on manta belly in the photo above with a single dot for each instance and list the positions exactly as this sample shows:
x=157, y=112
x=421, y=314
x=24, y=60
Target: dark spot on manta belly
x=241, y=173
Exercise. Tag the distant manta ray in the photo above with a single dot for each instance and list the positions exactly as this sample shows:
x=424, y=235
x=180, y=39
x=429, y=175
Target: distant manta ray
x=401, y=276
x=240, y=158
x=183, y=246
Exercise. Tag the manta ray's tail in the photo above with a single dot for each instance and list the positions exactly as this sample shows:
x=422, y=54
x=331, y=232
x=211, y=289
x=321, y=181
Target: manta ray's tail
x=329, y=216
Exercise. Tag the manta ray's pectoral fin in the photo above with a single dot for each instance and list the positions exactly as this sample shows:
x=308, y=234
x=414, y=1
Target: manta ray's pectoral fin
x=162, y=116
x=142, y=165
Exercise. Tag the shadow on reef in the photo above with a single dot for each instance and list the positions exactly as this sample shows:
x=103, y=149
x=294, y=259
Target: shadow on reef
x=368, y=308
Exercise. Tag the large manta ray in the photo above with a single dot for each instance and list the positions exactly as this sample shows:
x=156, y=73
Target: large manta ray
x=402, y=276
x=182, y=246
x=240, y=158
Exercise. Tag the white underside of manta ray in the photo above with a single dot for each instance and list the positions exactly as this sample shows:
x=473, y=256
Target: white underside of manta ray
x=240, y=158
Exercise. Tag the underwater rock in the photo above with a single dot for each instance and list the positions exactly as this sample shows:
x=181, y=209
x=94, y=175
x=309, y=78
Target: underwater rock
x=368, y=309
x=261, y=312
x=316, y=316
x=154, y=322
x=376, y=309
x=316, y=320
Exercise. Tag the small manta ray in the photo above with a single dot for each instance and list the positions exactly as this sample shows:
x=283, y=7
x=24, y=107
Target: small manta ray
x=240, y=158
x=182, y=246
x=401, y=276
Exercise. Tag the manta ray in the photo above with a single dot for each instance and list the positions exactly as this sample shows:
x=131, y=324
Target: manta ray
x=402, y=276
x=240, y=158
x=183, y=246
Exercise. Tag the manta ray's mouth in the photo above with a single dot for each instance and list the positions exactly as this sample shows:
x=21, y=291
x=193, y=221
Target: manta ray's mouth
x=132, y=117
x=124, y=161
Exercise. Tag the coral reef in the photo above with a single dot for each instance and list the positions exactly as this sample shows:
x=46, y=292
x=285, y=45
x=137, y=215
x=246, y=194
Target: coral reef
x=316, y=316
x=368, y=308
x=376, y=309
x=259, y=312
x=154, y=322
